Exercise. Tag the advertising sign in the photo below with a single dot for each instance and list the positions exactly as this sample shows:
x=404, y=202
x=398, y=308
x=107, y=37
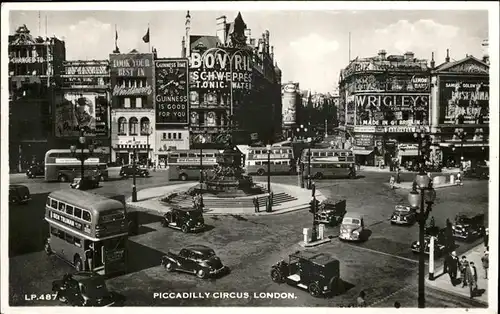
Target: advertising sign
x=464, y=102
x=364, y=140
x=172, y=91
x=221, y=68
x=383, y=65
x=87, y=110
x=289, y=103
x=131, y=75
x=382, y=102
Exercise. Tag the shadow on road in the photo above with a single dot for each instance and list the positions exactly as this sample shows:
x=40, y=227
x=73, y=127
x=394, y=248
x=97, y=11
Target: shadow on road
x=141, y=257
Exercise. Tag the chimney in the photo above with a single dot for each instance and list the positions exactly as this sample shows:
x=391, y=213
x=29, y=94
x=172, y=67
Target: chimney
x=447, y=59
x=188, y=29
x=272, y=52
x=266, y=40
x=486, y=53
x=248, y=34
x=221, y=29
x=381, y=54
x=409, y=55
x=433, y=63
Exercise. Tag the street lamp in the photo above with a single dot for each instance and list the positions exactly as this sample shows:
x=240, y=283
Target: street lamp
x=82, y=157
x=202, y=141
x=268, y=147
x=309, y=141
x=314, y=231
x=148, y=132
x=134, y=188
x=417, y=199
x=461, y=134
x=300, y=130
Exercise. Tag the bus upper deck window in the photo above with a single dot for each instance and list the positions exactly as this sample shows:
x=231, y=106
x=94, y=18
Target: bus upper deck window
x=86, y=216
x=192, y=155
x=53, y=204
x=183, y=155
x=78, y=242
x=77, y=213
x=69, y=210
x=330, y=154
x=48, y=201
x=62, y=206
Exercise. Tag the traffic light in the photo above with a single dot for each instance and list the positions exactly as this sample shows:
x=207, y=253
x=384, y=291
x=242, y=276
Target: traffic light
x=313, y=206
x=426, y=147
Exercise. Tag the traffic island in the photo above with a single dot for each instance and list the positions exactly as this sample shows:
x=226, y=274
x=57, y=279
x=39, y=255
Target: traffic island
x=440, y=181
x=320, y=239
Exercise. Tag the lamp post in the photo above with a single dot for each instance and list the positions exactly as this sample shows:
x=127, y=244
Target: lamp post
x=134, y=188
x=149, y=131
x=202, y=141
x=81, y=142
x=314, y=231
x=418, y=199
x=461, y=134
x=268, y=147
x=302, y=130
x=309, y=141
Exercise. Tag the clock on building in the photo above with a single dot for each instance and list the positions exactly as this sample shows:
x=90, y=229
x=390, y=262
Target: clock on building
x=171, y=81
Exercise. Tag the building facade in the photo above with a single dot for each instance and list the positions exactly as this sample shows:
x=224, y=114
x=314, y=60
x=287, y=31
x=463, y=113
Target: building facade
x=132, y=103
x=234, y=85
x=385, y=99
x=83, y=101
x=34, y=64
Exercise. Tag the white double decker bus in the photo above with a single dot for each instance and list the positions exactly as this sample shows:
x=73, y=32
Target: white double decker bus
x=281, y=160
x=328, y=162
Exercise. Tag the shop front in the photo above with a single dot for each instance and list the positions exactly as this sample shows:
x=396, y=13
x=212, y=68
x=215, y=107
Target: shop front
x=125, y=154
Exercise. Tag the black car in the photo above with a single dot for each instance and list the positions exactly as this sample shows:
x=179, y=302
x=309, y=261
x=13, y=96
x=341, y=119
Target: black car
x=184, y=219
x=88, y=182
x=128, y=171
x=35, y=171
x=439, y=242
x=403, y=215
x=19, y=194
x=318, y=273
x=83, y=289
x=199, y=260
x=331, y=211
x=468, y=226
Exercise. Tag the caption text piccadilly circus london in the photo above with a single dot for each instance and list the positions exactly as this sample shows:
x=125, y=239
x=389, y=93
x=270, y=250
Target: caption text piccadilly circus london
x=224, y=295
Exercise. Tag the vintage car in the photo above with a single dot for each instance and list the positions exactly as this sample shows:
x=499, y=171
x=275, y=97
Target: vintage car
x=468, y=226
x=331, y=212
x=84, y=289
x=184, y=219
x=403, y=215
x=352, y=227
x=199, y=260
x=88, y=182
x=19, y=194
x=439, y=242
x=128, y=171
x=318, y=273
x=35, y=171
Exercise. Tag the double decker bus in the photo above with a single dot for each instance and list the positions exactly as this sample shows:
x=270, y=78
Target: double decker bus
x=83, y=224
x=185, y=164
x=328, y=162
x=281, y=160
x=61, y=165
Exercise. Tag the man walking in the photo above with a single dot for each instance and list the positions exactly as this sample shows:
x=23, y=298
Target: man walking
x=471, y=277
x=452, y=267
x=486, y=237
x=89, y=256
x=463, y=267
x=485, y=259
x=256, y=204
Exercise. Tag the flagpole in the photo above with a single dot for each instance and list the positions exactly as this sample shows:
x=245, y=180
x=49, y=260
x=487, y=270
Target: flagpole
x=116, y=39
x=149, y=41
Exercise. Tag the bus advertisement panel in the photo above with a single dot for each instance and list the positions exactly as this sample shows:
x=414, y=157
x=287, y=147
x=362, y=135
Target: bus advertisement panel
x=186, y=164
x=281, y=160
x=87, y=230
x=61, y=165
x=327, y=162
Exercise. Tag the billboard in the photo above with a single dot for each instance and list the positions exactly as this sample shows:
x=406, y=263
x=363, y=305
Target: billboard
x=77, y=110
x=289, y=96
x=172, y=90
x=464, y=101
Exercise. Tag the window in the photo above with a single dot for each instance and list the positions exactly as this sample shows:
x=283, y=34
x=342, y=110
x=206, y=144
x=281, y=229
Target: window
x=164, y=136
x=183, y=155
x=126, y=102
x=53, y=204
x=48, y=201
x=133, y=102
x=69, y=238
x=169, y=135
x=122, y=122
x=62, y=206
x=257, y=152
x=209, y=155
x=133, y=126
x=54, y=231
x=69, y=210
x=175, y=135
x=179, y=136
x=145, y=129
x=61, y=234
x=77, y=242
x=191, y=155
x=138, y=102
x=86, y=216
x=78, y=213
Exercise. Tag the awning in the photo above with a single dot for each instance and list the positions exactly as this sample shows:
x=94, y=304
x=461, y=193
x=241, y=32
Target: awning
x=364, y=152
x=408, y=152
x=459, y=144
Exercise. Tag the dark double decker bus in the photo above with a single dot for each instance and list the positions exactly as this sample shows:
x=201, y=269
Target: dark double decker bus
x=87, y=230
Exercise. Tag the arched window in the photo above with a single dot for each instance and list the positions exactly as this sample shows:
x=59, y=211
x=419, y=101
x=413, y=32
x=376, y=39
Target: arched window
x=145, y=129
x=122, y=122
x=133, y=126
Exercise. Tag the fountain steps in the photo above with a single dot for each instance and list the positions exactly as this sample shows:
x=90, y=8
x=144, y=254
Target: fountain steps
x=278, y=198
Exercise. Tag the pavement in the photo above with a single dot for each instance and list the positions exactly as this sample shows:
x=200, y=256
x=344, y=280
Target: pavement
x=149, y=200
x=387, y=170
x=408, y=185
x=442, y=281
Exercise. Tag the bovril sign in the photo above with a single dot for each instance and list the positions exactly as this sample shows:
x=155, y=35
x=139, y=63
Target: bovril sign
x=420, y=82
x=289, y=88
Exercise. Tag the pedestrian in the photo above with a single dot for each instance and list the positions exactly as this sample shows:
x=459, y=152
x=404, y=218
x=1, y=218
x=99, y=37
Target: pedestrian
x=391, y=182
x=452, y=267
x=463, y=266
x=485, y=237
x=256, y=204
x=398, y=176
x=471, y=277
x=485, y=259
x=201, y=201
x=89, y=255
x=361, y=299
x=432, y=223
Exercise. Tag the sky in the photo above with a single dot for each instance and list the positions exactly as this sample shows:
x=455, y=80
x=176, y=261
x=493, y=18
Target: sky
x=311, y=47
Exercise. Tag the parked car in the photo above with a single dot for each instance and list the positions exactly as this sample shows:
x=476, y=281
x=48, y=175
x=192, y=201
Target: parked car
x=199, y=260
x=88, y=182
x=331, y=212
x=439, y=244
x=478, y=172
x=83, y=289
x=352, y=227
x=403, y=215
x=128, y=171
x=184, y=219
x=468, y=226
x=19, y=194
x=318, y=273
x=35, y=171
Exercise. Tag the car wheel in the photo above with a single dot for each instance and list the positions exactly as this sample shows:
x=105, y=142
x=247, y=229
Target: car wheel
x=185, y=228
x=101, y=178
x=63, y=178
x=169, y=267
x=276, y=276
x=78, y=264
x=62, y=298
x=201, y=274
x=47, y=249
x=314, y=289
x=183, y=177
x=261, y=172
